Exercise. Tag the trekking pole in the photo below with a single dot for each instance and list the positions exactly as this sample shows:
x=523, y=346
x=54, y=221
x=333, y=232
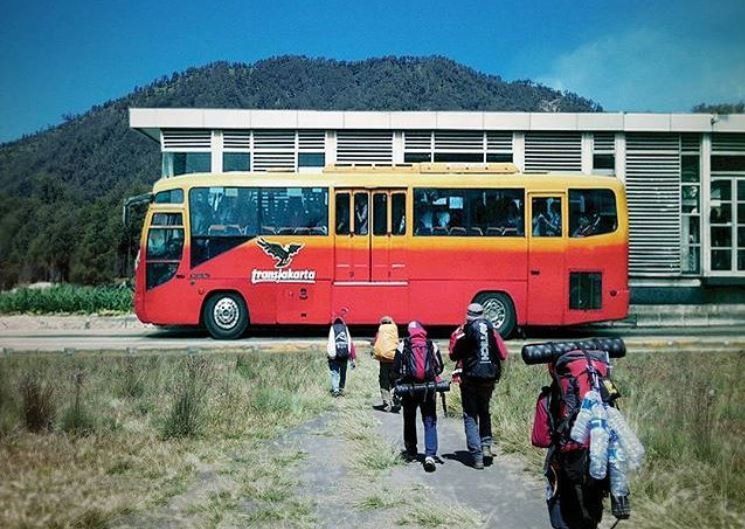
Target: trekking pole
x=444, y=405
x=615, y=524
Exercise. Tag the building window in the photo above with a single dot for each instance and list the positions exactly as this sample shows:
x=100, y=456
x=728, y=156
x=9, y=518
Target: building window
x=236, y=161
x=604, y=153
x=499, y=157
x=311, y=159
x=417, y=157
x=178, y=163
x=690, y=227
x=459, y=157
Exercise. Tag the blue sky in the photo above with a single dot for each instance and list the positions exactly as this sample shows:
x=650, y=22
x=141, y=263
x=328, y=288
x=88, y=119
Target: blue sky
x=64, y=57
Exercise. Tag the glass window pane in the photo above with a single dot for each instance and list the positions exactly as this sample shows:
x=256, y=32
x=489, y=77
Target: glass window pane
x=592, y=212
x=741, y=260
x=721, y=236
x=741, y=214
x=691, y=259
x=728, y=163
x=311, y=159
x=167, y=219
x=604, y=161
x=165, y=244
x=459, y=157
x=380, y=214
x=741, y=190
x=294, y=210
x=398, y=213
x=689, y=196
x=741, y=237
x=721, y=259
x=236, y=161
x=499, y=157
x=360, y=214
x=174, y=196
x=191, y=162
x=689, y=171
x=546, y=217
x=342, y=213
x=417, y=157
x=721, y=190
x=159, y=273
x=721, y=214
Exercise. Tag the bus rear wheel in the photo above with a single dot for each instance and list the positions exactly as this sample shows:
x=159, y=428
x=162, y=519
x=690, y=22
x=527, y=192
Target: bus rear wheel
x=498, y=309
x=225, y=315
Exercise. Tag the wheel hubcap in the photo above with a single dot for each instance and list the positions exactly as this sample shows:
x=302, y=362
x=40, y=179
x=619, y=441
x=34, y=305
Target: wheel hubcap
x=495, y=311
x=226, y=313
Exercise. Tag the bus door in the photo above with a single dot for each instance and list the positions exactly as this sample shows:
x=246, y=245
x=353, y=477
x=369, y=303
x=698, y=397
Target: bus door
x=388, y=230
x=352, y=235
x=547, y=278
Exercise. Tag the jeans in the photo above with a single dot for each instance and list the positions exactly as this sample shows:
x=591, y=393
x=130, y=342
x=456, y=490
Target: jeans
x=338, y=371
x=476, y=417
x=429, y=419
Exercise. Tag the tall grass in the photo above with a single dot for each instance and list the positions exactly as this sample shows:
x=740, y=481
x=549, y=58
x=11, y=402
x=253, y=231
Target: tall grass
x=67, y=298
x=686, y=408
x=136, y=430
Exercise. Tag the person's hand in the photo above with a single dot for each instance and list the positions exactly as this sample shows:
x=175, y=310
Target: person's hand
x=353, y=364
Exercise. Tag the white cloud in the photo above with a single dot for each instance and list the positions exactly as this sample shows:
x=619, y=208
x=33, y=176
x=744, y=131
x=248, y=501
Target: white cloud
x=651, y=70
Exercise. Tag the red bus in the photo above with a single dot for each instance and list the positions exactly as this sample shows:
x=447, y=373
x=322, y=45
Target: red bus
x=412, y=242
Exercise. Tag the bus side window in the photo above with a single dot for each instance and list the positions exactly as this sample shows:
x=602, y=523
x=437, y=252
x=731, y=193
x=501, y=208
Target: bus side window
x=361, y=214
x=547, y=217
x=398, y=213
x=592, y=212
x=380, y=214
x=342, y=214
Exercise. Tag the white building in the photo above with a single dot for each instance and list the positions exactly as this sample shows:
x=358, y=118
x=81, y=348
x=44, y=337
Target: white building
x=684, y=173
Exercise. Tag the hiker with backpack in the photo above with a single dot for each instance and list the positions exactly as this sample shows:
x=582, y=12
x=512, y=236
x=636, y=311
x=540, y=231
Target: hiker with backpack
x=478, y=351
x=384, y=351
x=590, y=446
x=417, y=361
x=340, y=351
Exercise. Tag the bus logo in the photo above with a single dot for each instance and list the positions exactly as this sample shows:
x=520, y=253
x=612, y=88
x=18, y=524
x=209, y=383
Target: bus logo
x=281, y=272
x=282, y=254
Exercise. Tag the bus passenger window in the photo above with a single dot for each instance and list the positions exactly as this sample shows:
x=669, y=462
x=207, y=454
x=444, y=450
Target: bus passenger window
x=380, y=214
x=342, y=214
x=547, y=217
x=398, y=213
x=592, y=212
x=360, y=214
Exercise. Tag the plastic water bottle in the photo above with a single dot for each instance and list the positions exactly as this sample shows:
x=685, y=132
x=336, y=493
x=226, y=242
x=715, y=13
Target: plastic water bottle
x=599, y=437
x=580, y=430
x=632, y=447
x=619, y=483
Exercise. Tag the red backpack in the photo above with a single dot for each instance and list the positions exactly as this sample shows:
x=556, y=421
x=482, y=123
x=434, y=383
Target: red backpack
x=574, y=373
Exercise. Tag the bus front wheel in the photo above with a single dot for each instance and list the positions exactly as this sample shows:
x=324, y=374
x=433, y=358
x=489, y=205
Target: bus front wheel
x=225, y=316
x=498, y=308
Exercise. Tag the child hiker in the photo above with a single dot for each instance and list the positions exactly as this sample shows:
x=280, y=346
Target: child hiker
x=384, y=351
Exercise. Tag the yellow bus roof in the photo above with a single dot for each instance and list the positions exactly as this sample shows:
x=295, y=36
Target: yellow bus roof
x=414, y=175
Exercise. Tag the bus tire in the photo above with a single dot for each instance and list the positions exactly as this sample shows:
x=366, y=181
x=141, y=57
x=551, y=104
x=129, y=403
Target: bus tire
x=499, y=309
x=225, y=315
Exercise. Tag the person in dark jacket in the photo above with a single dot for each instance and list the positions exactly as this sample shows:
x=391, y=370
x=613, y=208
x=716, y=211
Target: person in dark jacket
x=479, y=350
x=418, y=360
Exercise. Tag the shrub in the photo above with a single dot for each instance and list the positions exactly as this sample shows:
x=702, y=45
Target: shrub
x=186, y=417
x=38, y=403
x=76, y=419
x=66, y=298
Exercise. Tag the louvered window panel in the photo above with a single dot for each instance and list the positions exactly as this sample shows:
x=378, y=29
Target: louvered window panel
x=364, y=147
x=274, y=161
x=553, y=151
x=418, y=140
x=236, y=139
x=185, y=140
x=653, y=194
x=459, y=141
x=728, y=143
x=604, y=142
x=274, y=140
x=690, y=143
x=311, y=141
x=499, y=141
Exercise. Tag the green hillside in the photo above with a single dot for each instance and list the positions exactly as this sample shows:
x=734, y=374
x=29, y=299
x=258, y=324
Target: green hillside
x=61, y=189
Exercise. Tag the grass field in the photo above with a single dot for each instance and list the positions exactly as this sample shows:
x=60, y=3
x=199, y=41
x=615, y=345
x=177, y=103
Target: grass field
x=688, y=411
x=66, y=298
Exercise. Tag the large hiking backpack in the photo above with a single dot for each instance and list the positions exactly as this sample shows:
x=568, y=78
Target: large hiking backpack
x=574, y=374
x=418, y=364
x=341, y=340
x=481, y=360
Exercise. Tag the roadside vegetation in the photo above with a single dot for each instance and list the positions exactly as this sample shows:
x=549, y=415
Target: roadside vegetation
x=67, y=299
x=686, y=408
x=139, y=434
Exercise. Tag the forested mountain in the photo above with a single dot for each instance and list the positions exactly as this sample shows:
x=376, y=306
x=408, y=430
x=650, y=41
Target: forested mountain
x=61, y=189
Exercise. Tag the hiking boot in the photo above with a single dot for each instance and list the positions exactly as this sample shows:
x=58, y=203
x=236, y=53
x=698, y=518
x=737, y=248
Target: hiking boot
x=408, y=456
x=478, y=463
x=429, y=464
x=336, y=393
x=487, y=455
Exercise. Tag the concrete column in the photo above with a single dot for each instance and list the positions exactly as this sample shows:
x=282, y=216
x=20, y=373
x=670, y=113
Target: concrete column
x=216, y=150
x=330, y=147
x=587, y=144
x=518, y=150
x=620, y=156
x=398, y=147
x=705, y=203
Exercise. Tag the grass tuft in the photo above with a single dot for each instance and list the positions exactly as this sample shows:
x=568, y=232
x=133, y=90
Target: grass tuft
x=38, y=403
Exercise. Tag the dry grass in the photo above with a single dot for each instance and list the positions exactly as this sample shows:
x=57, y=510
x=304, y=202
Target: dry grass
x=136, y=431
